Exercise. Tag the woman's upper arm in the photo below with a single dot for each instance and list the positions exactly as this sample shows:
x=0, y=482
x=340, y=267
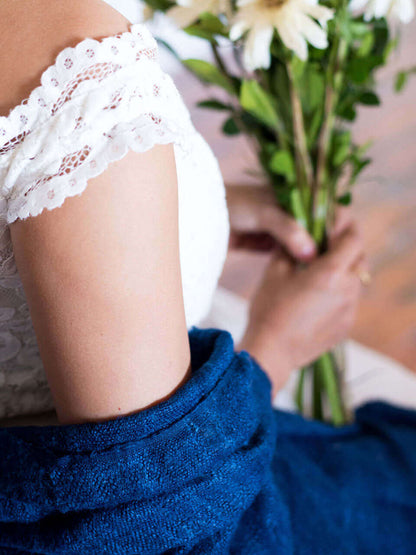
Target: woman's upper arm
x=101, y=273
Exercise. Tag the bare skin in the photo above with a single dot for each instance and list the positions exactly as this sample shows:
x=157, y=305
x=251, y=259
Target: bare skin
x=299, y=313
x=295, y=315
x=95, y=269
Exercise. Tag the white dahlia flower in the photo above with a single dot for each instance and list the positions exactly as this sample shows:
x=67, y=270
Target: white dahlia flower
x=188, y=11
x=403, y=10
x=294, y=20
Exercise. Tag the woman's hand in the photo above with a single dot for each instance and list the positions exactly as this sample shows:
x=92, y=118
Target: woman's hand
x=298, y=313
x=257, y=223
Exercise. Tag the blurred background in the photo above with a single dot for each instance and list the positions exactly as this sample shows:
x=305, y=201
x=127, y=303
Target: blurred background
x=384, y=197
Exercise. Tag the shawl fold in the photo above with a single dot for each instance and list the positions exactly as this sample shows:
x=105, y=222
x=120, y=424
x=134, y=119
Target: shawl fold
x=213, y=469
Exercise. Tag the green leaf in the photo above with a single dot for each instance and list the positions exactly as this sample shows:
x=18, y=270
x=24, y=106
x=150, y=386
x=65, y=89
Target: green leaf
x=230, y=127
x=345, y=199
x=382, y=37
x=341, y=147
x=209, y=73
x=366, y=45
x=402, y=78
x=214, y=104
x=359, y=69
x=362, y=149
x=282, y=163
x=391, y=45
x=196, y=30
x=358, y=29
x=358, y=165
x=206, y=27
x=298, y=67
x=400, y=82
x=369, y=98
x=314, y=126
x=250, y=122
x=312, y=88
x=160, y=5
x=348, y=113
x=212, y=23
x=258, y=102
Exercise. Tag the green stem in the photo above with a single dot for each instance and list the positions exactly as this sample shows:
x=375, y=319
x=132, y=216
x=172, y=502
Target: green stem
x=303, y=160
x=328, y=372
x=319, y=221
x=218, y=59
x=334, y=80
x=297, y=207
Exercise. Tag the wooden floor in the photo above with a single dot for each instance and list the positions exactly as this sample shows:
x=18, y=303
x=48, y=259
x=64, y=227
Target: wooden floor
x=385, y=203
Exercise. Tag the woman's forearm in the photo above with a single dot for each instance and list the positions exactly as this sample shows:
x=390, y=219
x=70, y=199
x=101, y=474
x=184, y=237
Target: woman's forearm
x=103, y=282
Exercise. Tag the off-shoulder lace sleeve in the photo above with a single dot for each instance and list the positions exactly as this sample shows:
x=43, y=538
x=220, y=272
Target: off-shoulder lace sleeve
x=98, y=100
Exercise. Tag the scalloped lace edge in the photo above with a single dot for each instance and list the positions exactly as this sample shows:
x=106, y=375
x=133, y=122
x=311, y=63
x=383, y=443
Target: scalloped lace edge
x=135, y=30
x=113, y=150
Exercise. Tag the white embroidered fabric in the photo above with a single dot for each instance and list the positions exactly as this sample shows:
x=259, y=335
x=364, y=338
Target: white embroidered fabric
x=98, y=100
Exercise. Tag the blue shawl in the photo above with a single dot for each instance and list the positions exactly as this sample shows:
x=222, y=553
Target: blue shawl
x=214, y=469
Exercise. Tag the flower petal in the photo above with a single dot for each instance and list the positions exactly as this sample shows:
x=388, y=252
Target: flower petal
x=312, y=32
x=257, y=48
x=404, y=10
x=237, y=29
x=321, y=13
x=381, y=8
x=291, y=37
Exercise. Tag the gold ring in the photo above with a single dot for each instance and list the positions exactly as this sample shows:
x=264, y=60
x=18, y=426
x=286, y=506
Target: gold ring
x=364, y=276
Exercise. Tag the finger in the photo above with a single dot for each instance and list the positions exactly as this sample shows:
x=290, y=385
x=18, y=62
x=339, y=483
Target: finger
x=346, y=250
x=288, y=232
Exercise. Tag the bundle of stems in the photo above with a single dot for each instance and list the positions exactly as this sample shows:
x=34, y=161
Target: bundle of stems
x=293, y=112
x=316, y=206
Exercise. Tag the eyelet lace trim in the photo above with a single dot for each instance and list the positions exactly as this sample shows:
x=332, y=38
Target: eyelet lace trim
x=98, y=100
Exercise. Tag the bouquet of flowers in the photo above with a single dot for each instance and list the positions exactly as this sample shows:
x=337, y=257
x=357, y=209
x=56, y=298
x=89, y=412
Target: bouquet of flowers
x=302, y=69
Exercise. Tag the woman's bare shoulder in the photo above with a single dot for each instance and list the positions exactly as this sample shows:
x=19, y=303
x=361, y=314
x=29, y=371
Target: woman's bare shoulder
x=33, y=32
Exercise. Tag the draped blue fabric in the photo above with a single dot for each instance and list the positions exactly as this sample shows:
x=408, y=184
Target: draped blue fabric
x=213, y=469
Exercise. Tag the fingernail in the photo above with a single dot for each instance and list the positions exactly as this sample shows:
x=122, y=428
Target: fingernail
x=308, y=250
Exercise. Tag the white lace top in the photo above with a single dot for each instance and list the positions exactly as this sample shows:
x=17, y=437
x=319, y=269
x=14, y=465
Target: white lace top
x=98, y=100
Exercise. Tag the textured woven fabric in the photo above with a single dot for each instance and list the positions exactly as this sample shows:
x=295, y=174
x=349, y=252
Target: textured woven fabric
x=99, y=100
x=214, y=469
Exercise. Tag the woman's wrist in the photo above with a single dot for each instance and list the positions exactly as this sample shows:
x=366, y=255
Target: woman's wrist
x=263, y=349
